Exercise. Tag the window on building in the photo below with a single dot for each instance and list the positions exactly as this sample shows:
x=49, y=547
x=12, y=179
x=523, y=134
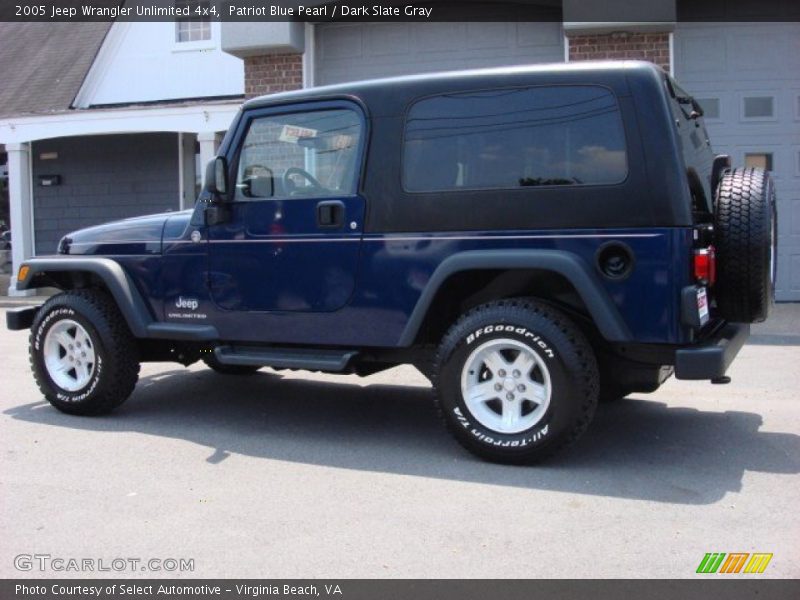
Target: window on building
x=759, y=160
x=759, y=107
x=710, y=107
x=300, y=155
x=197, y=26
x=511, y=138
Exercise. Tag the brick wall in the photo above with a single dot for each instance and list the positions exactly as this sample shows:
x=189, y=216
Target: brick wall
x=272, y=73
x=621, y=45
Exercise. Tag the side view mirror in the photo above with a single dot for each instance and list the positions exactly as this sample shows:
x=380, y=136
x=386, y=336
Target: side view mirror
x=258, y=182
x=262, y=186
x=216, y=180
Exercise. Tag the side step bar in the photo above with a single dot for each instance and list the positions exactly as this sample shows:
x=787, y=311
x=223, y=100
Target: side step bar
x=313, y=359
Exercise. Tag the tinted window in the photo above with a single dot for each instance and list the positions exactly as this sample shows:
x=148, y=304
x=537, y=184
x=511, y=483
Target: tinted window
x=758, y=106
x=561, y=135
x=710, y=107
x=758, y=160
x=299, y=155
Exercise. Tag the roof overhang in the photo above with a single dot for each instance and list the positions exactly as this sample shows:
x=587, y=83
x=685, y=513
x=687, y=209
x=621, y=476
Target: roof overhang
x=194, y=118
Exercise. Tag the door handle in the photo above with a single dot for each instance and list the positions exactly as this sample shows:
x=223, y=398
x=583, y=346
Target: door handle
x=330, y=214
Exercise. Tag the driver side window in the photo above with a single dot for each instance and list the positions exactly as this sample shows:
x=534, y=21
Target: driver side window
x=299, y=155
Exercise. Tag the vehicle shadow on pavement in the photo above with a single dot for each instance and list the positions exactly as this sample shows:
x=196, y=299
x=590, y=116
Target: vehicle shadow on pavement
x=636, y=448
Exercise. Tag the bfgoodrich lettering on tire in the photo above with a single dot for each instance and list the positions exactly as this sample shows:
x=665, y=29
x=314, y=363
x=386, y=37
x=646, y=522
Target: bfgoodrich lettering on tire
x=516, y=381
x=83, y=356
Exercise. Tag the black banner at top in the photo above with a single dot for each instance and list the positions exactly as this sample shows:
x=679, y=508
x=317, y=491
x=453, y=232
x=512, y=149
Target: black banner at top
x=281, y=10
x=579, y=11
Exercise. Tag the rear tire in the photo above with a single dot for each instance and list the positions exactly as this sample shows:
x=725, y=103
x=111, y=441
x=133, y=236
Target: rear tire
x=83, y=356
x=516, y=381
x=745, y=233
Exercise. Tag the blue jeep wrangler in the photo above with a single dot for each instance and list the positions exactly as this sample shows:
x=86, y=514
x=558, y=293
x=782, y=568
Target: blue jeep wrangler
x=532, y=239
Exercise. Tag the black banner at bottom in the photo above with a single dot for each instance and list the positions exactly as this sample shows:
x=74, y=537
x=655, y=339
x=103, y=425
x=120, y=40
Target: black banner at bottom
x=411, y=589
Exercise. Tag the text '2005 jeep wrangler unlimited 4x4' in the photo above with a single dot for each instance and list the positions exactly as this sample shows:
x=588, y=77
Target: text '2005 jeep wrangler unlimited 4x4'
x=532, y=239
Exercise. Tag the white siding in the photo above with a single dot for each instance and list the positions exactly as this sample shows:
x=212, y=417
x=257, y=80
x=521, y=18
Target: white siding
x=352, y=51
x=731, y=63
x=142, y=62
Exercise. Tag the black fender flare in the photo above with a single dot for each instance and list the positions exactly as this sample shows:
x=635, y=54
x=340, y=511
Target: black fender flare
x=567, y=264
x=119, y=284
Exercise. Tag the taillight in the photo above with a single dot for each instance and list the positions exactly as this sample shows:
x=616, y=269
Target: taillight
x=705, y=265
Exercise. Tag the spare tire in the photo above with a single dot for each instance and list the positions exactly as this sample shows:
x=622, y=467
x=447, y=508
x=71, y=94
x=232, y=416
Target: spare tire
x=745, y=241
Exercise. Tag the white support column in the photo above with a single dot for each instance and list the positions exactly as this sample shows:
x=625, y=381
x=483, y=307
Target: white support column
x=21, y=208
x=181, y=182
x=672, y=53
x=309, y=57
x=209, y=143
x=186, y=169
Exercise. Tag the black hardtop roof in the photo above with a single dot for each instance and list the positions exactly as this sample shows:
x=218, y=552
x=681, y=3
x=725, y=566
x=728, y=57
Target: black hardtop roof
x=430, y=83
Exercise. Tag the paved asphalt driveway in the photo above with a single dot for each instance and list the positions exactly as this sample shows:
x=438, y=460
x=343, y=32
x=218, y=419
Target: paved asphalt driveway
x=299, y=475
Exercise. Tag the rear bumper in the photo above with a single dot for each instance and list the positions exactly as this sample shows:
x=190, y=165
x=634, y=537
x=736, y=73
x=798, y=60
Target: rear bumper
x=21, y=318
x=711, y=358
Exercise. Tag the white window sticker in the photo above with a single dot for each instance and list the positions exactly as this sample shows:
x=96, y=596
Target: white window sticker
x=702, y=305
x=292, y=133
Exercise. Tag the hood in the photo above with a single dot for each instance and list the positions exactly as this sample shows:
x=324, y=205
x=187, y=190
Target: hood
x=139, y=235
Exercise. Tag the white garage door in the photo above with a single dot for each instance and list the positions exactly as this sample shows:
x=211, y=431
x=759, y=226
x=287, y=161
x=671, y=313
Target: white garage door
x=747, y=77
x=353, y=51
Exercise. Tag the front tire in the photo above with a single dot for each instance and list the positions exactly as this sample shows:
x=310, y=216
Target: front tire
x=516, y=381
x=83, y=356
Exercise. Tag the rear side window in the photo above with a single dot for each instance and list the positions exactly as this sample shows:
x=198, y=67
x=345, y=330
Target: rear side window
x=512, y=138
